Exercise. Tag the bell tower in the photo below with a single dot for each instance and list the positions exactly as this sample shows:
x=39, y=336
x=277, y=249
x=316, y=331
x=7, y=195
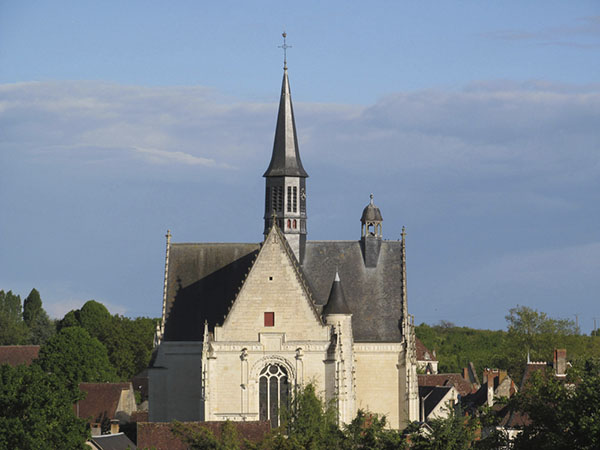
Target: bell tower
x=285, y=199
x=371, y=235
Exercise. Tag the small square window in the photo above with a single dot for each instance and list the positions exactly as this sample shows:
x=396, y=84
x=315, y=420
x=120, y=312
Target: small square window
x=270, y=278
x=269, y=319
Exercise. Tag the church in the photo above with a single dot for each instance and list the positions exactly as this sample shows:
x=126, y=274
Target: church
x=244, y=324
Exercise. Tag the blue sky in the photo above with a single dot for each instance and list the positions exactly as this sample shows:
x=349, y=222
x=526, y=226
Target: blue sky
x=475, y=125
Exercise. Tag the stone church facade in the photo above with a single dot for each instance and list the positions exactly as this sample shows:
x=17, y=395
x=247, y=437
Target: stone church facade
x=243, y=324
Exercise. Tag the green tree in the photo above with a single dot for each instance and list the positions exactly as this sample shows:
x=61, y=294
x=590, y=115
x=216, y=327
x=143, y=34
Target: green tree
x=198, y=437
x=129, y=342
x=37, y=320
x=32, y=306
x=75, y=356
x=13, y=330
x=533, y=332
x=563, y=414
x=370, y=431
x=96, y=319
x=36, y=411
x=69, y=320
x=310, y=422
x=455, y=432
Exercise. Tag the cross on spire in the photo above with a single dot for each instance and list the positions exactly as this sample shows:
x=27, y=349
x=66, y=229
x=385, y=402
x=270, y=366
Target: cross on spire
x=284, y=47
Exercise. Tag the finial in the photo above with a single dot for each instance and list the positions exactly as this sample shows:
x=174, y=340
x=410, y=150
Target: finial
x=403, y=231
x=284, y=47
x=337, y=276
x=371, y=196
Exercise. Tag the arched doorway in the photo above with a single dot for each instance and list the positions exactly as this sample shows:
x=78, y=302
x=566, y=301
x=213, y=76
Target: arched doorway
x=273, y=392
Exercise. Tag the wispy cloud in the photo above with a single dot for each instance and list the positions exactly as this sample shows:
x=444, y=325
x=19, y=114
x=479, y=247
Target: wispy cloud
x=497, y=160
x=568, y=35
x=163, y=156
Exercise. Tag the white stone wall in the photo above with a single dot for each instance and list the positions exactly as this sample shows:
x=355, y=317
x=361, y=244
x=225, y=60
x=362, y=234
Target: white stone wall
x=243, y=345
x=379, y=372
x=234, y=370
x=272, y=285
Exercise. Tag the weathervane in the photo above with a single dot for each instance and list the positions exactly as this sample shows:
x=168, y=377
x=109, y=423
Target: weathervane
x=284, y=47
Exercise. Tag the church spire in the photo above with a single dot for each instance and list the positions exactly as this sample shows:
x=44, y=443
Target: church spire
x=285, y=160
x=285, y=177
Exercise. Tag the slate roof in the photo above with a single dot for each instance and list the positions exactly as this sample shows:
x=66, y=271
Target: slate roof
x=116, y=441
x=374, y=295
x=203, y=280
x=371, y=213
x=433, y=395
x=15, y=355
x=101, y=401
x=447, y=379
x=337, y=301
x=285, y=160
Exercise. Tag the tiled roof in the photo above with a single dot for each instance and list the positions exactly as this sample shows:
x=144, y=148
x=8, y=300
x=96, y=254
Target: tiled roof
x=447, y=379
x=18, y=354
x=517, y=419
x=530, y=369
x=101, y=401
x=423, y=353
x=158, y=435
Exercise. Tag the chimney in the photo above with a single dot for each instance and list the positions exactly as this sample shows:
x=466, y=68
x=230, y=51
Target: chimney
x=488, y=378
x=114, y=426
x=560, y=362
x=465, y=374
x=96, y=429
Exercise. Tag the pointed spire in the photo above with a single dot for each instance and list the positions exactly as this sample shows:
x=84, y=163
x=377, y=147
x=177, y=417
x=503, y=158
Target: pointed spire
x=337, y=301
x=286, y=156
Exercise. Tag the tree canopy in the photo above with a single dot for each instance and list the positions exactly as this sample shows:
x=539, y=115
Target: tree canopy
x=13, y=330
x=129, y=342
x=563, y=413
x=36, y=411
x=528, y=330
x=41, y=328
x=75, y=356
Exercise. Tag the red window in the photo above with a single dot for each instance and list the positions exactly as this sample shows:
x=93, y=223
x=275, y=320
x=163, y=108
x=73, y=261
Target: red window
x=269, y=319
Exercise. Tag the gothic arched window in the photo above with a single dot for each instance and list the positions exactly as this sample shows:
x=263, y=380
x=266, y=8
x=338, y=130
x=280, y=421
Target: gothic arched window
x=273, y=393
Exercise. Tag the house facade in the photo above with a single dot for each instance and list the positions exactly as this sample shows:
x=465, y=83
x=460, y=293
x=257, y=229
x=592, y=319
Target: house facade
x=244, y=324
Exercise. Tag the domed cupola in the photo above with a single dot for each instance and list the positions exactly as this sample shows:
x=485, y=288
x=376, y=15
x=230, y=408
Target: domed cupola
x=371, y=221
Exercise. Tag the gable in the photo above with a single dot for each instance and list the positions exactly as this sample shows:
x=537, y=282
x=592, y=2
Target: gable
x=274, y=286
